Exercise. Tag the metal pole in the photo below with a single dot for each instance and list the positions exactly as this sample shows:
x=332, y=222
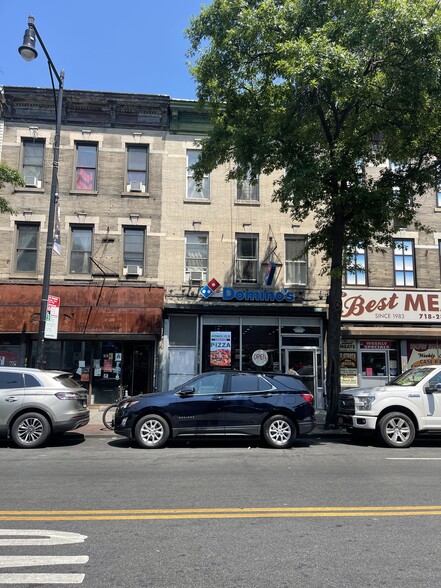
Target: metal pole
x=41, y=358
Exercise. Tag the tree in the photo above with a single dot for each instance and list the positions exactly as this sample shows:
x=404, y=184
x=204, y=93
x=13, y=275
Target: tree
x=320, y=89
x=8, y=175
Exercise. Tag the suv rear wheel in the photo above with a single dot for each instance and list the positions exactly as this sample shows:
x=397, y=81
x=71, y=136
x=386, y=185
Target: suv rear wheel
x=279, y=431
x=30, y=430
x=397, y=429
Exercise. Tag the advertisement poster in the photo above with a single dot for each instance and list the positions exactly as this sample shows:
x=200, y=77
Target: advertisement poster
x=220, y=348
x=348, y=363
x=52, y=312
x=108, y=365
x=422, y=353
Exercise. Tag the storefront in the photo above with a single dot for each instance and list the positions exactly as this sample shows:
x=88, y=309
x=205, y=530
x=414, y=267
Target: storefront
x=106, y=336
x=385, y=332
x=240, y=334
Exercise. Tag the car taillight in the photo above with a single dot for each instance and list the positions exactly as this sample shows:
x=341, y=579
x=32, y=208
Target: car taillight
x=67, y=396
x=308, y=397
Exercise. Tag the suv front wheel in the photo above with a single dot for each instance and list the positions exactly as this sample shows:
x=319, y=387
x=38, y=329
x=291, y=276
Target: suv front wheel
x=279, y=431
x=397, y=429
x=30, y=430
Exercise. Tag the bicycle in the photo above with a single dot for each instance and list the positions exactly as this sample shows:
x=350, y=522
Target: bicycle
x=110, y=411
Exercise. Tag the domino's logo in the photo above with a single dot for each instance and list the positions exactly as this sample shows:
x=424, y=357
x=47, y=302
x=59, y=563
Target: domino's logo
x=210, y=288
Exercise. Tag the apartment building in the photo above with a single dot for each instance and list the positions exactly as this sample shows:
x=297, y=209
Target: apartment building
x=106, y=275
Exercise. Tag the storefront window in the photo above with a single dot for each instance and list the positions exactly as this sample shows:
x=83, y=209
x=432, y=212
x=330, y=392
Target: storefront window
x=260, y=338
x=373, y=363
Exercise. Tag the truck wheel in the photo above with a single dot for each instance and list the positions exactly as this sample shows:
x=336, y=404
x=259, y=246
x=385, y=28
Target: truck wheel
x=397, y=429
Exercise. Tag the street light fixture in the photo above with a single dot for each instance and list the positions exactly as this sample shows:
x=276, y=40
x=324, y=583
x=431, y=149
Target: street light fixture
x=28, y=52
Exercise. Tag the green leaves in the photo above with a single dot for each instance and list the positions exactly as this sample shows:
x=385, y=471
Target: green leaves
x=306, y=86
x=8, y=175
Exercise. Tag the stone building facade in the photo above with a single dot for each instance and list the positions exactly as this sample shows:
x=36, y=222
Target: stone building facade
x=110, y=192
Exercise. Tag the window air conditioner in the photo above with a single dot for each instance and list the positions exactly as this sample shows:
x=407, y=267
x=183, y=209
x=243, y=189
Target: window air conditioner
x=196, y=278
x=136, y=187
x=32, y=182
x=132, y=270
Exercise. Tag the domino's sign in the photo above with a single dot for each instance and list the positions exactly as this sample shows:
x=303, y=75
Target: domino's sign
x=260, y=295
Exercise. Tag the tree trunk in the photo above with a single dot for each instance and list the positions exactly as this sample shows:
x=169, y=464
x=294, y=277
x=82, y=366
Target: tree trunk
x=334, y=322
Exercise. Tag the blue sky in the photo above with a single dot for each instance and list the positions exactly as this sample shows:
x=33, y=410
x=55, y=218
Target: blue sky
x=116, y=46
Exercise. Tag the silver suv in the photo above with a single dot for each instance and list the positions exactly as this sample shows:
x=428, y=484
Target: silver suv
x=37, y=403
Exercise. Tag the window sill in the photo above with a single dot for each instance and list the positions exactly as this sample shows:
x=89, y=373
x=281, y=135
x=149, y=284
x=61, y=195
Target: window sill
x=135, y=195
x=197, y=201
x=78, y=277
x=437, y=209
x=30, y=189
x=83, y=192
x=246, y=203
x=23, y=275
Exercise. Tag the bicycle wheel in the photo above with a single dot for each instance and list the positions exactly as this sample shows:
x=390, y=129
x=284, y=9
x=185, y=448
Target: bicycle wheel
x=109, y=416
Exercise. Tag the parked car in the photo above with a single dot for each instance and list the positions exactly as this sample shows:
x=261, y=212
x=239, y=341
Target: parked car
x=37, y=403
x=276, y=406
x=407, y=405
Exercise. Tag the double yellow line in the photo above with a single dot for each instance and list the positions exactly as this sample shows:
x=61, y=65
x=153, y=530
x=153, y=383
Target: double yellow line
x=219, y=513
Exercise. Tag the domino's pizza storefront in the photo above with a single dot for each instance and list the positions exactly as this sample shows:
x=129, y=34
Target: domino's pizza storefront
x=257, y=330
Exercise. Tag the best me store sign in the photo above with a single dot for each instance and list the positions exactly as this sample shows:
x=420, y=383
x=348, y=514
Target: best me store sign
x=391, y=306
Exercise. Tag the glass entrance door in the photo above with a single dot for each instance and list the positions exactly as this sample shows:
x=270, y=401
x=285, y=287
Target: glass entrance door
x=304, y=362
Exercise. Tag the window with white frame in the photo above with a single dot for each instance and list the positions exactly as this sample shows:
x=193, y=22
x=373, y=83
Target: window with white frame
x=27, y=247
x=404, y=262
x=192, y=190
x=134, y=244
x=356, y=273
x=137, y=168
x=86, y=166
x=248, y=190
x=247, y=259
x=81, y=250
x=196, y=256
x=33, y=162
x=296, y=261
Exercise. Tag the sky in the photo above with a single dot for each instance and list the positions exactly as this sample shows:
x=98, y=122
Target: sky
x=129, y=46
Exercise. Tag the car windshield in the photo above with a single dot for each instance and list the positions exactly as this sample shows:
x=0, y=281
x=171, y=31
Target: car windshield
x=411, y=377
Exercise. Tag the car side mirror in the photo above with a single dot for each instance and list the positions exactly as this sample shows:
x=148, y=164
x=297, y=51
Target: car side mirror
x=186, y=392
x=435, y=388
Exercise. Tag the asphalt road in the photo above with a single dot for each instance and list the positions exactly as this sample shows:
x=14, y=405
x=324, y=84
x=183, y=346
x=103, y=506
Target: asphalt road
x=328, y=512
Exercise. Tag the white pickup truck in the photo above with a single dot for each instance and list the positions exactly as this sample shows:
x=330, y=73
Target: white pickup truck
x=407, y=405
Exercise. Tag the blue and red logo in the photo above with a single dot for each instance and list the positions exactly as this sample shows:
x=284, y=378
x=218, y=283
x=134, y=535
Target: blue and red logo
x=210, y=288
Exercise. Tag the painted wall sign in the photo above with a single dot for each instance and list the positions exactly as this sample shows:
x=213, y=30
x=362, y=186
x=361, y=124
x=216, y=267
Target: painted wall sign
x=391, y=306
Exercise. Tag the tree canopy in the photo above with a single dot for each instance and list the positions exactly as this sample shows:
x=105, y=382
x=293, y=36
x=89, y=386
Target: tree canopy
x=322, y=90
x=8, y=175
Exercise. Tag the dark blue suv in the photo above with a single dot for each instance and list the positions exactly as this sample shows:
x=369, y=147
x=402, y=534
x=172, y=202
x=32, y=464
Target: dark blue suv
x=277, y=407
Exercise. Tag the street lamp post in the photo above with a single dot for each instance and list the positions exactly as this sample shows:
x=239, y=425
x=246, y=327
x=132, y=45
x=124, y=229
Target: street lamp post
x=28, y=52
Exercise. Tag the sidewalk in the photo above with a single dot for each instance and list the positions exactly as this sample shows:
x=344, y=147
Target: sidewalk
x=96, y=428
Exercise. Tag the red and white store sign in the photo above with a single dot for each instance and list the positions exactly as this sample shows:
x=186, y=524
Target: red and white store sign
x=393, y=306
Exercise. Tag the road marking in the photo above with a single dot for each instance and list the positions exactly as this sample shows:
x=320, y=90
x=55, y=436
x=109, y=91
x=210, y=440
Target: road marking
x=219, y=513
x=24, y=561
x=56, y=579
x=38, y=537
x=415, y=458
